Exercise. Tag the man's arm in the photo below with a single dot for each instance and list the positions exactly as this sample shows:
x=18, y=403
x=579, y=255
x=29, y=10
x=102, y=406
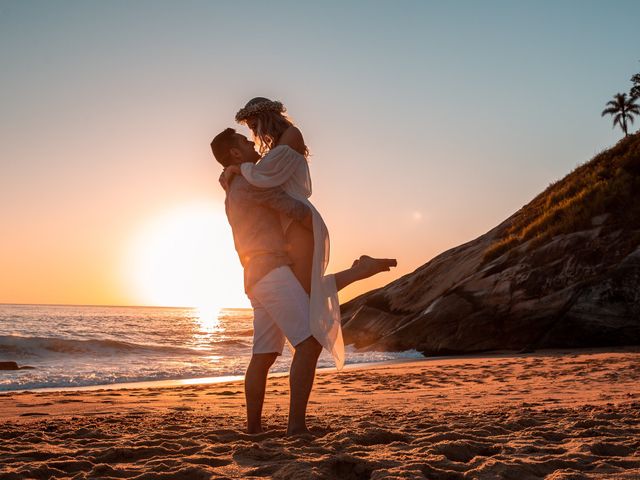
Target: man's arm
x=278, y=200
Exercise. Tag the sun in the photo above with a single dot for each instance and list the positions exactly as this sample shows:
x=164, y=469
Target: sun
x=185, y=257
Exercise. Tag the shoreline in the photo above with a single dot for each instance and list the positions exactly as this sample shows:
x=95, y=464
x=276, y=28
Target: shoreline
x=177, y=382
x=170, y=383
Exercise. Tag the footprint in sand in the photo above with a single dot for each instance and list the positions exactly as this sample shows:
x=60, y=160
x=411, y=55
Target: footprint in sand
x=224, y=392
x=182, y=409
x=209, y=461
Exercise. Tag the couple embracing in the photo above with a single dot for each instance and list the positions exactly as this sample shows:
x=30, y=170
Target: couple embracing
x=283, y=245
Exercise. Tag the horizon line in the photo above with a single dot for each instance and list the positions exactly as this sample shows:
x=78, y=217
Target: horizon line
x=124, y=306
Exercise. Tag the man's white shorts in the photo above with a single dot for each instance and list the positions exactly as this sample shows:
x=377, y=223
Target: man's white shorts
x=280, y=309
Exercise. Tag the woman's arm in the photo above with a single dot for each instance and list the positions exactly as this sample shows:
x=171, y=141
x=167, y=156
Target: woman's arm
x=277, y=167
x=292, y=137
x=227, y=174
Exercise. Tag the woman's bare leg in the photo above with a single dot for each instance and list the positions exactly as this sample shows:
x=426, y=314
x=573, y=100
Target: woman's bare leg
x=300, y=241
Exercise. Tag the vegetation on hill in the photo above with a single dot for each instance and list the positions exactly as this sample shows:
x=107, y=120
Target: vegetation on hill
x=622, y=108
x=608, y=185
x=635, y=90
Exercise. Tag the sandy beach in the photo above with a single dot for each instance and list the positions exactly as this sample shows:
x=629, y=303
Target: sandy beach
x=548, y=414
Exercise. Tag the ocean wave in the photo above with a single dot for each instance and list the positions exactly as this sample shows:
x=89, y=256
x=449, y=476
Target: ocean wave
x=14, y=346
x=31, y=382
x=244, y=333
x=231, y=342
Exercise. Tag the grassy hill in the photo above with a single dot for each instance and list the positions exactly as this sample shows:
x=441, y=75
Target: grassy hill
x=607, y=186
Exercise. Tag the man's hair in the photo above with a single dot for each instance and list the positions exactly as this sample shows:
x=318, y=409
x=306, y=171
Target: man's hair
x=222, y=144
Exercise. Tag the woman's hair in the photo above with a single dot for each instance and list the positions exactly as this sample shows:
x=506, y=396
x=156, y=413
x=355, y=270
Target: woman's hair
x=267, y=121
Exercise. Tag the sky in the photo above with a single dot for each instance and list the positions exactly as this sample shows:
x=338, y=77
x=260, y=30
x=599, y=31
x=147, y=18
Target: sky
x=429, y=123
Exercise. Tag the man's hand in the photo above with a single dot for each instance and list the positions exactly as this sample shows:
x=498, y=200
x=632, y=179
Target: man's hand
x=227, y=175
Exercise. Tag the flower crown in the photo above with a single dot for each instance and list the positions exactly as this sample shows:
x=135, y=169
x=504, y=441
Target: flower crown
x=259, y=105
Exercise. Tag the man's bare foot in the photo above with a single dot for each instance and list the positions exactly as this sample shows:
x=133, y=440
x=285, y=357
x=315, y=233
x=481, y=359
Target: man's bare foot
x=294, y=432
x=368, y=266
x=254, y=430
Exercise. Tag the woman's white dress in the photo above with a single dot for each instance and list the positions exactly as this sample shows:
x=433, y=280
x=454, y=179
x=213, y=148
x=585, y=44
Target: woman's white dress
x=286, y=168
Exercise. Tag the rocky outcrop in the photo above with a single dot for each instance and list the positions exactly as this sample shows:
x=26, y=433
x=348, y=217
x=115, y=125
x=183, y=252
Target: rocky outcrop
x=559, y=288
x=13, y=366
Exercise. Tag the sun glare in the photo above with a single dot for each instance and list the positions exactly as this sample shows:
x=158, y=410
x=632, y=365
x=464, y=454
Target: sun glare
x=185, y=257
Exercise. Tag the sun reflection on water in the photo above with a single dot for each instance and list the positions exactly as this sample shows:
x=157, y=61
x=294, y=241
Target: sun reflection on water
x=208, y=320
x=207, y=328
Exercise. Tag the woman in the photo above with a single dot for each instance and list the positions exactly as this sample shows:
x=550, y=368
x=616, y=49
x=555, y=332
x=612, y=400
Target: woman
x=284, y=164
x=272, y=128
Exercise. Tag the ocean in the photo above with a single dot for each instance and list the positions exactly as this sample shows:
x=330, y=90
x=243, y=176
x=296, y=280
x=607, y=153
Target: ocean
x=77, y=346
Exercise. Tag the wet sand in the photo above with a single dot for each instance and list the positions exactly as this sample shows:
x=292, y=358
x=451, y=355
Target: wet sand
x=569, y=414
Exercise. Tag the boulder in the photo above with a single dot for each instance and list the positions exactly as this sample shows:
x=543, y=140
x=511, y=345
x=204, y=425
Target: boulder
x=13, y=366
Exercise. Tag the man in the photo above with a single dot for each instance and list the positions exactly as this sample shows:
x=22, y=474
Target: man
x=280, y=304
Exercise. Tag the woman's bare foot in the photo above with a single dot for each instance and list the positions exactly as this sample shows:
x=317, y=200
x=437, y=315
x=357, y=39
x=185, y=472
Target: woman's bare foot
x=368, y=266
x=362, y=268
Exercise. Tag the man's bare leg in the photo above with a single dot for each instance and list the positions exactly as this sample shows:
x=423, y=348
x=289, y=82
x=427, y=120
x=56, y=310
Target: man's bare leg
x=305, y=358
x=255, y=384
x=362, y=268
x=301, y=376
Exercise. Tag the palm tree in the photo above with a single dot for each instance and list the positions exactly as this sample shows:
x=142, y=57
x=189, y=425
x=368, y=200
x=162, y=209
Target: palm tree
x=623, y=109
